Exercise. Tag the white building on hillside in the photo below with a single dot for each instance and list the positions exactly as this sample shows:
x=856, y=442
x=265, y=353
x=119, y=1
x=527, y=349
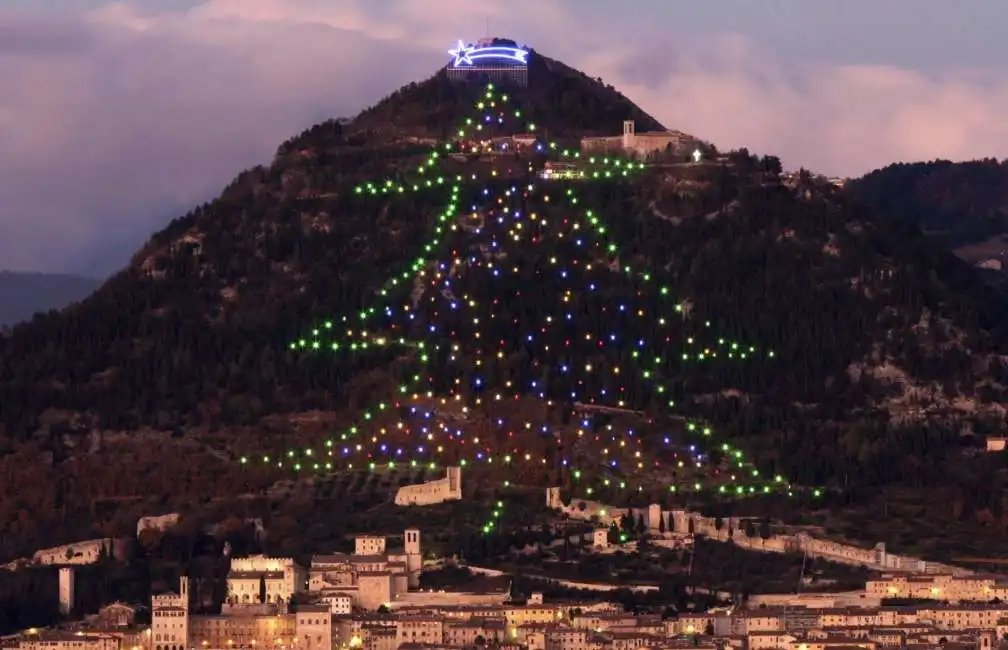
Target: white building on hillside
x=640, y=143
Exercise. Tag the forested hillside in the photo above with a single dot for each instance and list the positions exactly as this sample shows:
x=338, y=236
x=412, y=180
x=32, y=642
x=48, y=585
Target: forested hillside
x=879, y=366
x=958, y=203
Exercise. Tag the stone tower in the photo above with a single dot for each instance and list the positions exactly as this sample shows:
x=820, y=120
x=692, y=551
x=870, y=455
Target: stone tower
x=184, y=592
x=66, y=590
x=629, y=134
x=654, y=516
x=454, y=475
x=553, y=500
x=414, y=556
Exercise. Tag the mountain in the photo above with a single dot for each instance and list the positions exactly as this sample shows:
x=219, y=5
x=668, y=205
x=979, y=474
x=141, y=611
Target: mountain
x=962, y=205
x=25, y=294
x=382, y=301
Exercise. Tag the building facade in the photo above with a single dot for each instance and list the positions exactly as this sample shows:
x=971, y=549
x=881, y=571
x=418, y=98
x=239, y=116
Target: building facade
x=640, y=144
x=262, y=579
x=170, y=619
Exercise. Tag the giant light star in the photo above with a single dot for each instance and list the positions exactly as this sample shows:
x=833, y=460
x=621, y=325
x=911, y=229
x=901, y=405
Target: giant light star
x=461, y=54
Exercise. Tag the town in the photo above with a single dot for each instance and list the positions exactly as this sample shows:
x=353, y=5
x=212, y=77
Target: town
x=364, y=600
x=373, y=598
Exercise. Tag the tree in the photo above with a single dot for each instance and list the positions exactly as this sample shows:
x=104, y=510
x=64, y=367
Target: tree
x=661, y=524
x=626, y=524
x=613, y=535
x=641, y=526
x=771, y=165
x=718, y=524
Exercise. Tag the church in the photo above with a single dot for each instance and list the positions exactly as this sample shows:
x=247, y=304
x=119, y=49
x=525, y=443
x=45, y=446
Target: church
x=640, y=144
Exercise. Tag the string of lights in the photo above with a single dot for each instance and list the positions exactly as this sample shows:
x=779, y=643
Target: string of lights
x=437, y=306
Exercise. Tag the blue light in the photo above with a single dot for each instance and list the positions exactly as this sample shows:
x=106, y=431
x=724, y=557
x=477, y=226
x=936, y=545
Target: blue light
x=467, y=55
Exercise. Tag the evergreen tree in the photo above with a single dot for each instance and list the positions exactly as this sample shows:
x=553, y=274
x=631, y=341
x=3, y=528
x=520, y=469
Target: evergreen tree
x=626, y=524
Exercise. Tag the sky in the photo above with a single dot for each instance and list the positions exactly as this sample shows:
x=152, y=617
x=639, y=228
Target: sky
x=116, y=117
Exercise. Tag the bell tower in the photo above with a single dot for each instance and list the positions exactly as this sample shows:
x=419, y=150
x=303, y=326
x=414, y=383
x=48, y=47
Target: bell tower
x=414, y=556
x=629, y=134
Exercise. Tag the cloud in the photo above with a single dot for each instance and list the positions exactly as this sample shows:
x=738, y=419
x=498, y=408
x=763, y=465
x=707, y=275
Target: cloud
x=121, y=118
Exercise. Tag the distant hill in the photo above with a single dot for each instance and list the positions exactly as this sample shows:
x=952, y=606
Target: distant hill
x=24, y=294
x=961, y=204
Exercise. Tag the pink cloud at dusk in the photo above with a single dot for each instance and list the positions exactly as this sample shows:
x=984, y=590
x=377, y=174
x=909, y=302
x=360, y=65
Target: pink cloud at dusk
x=121, y=119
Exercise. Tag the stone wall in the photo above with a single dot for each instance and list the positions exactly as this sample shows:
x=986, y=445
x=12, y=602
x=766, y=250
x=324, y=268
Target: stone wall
x=157, y=522
x=261, y=563
x=429, y=493
x=732, y=529
x=83, y=552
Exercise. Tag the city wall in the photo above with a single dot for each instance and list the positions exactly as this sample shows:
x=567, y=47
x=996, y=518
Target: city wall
x=732, y=530
x=84, y=552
